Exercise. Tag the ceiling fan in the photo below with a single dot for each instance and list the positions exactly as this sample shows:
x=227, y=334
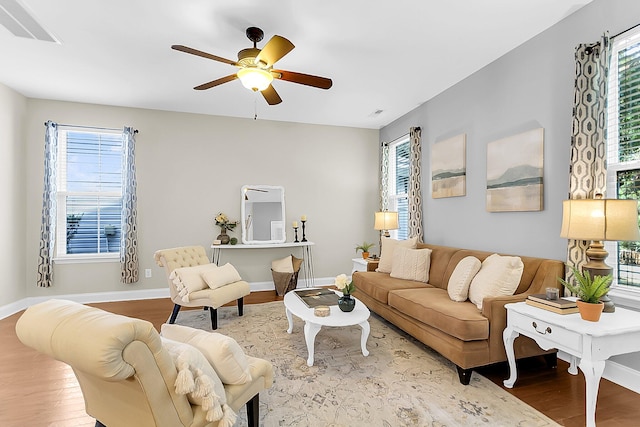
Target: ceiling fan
x=256, y=66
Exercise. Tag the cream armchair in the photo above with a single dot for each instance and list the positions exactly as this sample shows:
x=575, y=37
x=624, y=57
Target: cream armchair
x=189, y=256
x=126, y=375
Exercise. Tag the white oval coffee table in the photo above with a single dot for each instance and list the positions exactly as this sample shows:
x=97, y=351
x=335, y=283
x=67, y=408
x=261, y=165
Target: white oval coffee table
x=312, y=323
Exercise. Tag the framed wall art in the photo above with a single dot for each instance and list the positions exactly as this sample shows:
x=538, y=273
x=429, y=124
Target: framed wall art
x=448, y=167
x=514, y=172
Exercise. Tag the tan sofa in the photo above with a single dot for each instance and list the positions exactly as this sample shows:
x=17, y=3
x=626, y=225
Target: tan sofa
x=459, y=331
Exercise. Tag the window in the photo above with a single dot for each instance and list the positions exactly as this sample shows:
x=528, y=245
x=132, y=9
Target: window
x=623, y=139
x=399, y=170
x=89, y=193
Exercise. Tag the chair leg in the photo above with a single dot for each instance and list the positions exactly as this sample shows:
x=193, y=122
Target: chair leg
x=214, y=318
x=240, y=306
x=253, y=410
x=99, y=424
x=174, y=313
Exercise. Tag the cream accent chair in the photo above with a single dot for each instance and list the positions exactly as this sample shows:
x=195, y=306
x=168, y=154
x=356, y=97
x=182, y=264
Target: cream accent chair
x=127, y=377
x=189, y=256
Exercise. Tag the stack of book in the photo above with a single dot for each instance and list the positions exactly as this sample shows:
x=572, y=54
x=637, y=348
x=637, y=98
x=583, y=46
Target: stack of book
x=559, y=305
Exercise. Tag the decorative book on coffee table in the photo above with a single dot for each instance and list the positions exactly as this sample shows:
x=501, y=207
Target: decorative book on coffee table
x=559, y=305
x=315, y=297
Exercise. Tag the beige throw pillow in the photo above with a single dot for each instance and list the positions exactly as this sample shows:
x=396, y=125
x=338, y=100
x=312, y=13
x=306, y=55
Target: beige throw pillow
x=386, y=253
x=460, y=280
x=498, y=275
x=223, y=353
x=189, y=279
x=199, y=381
x=284, y=265
x=411, y=264
x=221, y=276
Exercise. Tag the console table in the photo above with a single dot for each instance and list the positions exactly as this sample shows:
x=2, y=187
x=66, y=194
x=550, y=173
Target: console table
x=307, y=256
x=592, y=343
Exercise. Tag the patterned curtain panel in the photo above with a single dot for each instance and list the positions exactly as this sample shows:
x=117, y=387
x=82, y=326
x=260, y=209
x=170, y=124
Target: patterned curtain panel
x=587, y=171
x=48, y=225
x=414, y=193
x=129, y=237
x=384, y=176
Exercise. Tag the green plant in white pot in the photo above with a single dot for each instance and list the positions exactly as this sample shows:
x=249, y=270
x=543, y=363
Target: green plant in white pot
x=589, y=290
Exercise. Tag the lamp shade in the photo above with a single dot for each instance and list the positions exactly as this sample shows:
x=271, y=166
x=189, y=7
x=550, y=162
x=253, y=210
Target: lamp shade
x=386, y=221
x=255, y=78
x=600, y=219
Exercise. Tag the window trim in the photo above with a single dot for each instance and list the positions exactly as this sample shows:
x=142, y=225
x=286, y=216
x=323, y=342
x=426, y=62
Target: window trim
x=393, y=197
x=60, y=256
x=623, y=295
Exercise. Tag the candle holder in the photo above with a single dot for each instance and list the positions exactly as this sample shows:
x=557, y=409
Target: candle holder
x=295, y=233
x=304, y=238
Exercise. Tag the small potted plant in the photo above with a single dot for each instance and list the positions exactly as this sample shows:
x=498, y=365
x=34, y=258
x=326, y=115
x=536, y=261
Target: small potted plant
x=589, y=291
x=364, y=247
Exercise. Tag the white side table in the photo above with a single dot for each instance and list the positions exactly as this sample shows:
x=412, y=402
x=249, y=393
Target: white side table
x=592, y=343
x=361, y=264
x=312, y=323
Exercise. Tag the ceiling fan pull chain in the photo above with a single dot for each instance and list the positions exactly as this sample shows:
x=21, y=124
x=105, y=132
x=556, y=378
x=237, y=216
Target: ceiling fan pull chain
x=255, y=106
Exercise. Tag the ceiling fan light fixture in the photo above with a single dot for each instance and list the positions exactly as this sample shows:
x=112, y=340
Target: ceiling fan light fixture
x=254, y=78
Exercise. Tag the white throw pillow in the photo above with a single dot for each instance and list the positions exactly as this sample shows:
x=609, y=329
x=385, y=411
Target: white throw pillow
x=197, y=379
x=221, y=276
x=223, y=353
x=498, y=275
x=460, y=280
x=284, y=265
x=411, y=264
x=189, y=279
x=386, y=252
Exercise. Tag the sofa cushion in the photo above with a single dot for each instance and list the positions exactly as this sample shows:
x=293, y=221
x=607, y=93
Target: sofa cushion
x=498, y=275
x=411, y=264
x=377, y=285
x=386, y=252
x=460, y=280
x=433, y=306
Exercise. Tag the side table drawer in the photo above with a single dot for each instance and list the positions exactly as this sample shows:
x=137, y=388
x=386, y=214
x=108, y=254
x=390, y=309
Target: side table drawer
x=536, y=328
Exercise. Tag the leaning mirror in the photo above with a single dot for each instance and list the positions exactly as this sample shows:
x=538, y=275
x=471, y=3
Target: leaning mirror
x=262, y=211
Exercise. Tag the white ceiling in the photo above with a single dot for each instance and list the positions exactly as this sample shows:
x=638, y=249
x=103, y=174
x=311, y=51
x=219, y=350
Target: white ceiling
x=381, y=54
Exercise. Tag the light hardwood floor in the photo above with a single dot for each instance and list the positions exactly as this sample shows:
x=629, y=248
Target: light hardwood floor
x=38, y=391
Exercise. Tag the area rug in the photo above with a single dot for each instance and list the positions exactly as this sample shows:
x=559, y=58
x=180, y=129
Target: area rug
x=401, y=383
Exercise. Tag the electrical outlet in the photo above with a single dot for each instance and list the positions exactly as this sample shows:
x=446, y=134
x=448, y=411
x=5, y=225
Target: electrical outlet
x=147, y=273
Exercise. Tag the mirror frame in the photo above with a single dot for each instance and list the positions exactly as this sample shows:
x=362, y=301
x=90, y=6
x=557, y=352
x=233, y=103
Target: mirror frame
x=243, y=213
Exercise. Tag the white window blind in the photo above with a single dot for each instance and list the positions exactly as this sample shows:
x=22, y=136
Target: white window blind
x=399, y=170
x=89, y=193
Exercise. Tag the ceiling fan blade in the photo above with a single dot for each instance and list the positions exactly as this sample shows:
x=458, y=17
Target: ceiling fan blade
x=217, y=82
x=197, y=52
x=303, y=79
x=275, y=49
x=271, y=96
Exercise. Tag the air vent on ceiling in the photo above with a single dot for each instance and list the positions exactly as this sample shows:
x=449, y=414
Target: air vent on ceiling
x=15, y=18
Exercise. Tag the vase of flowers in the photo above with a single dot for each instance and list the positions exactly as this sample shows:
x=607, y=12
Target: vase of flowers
x=222, y=221
x=346, y=286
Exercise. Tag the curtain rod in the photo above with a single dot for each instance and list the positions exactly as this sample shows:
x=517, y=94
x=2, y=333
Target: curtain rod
x=89, y=127
x=622, y=32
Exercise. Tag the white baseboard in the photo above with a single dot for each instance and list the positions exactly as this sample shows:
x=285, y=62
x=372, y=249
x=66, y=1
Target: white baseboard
x=14, y=307
x=615, y=372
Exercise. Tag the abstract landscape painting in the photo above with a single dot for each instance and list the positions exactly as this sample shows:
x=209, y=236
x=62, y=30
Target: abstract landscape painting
x=448, y=168
x=514, y=172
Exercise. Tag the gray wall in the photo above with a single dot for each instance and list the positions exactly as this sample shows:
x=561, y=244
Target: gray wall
x=190, y=167
x=530, y=87
x=12, y=194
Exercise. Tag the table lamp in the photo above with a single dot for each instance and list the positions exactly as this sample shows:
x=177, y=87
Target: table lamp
x=385, y=221
x=598, y=220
